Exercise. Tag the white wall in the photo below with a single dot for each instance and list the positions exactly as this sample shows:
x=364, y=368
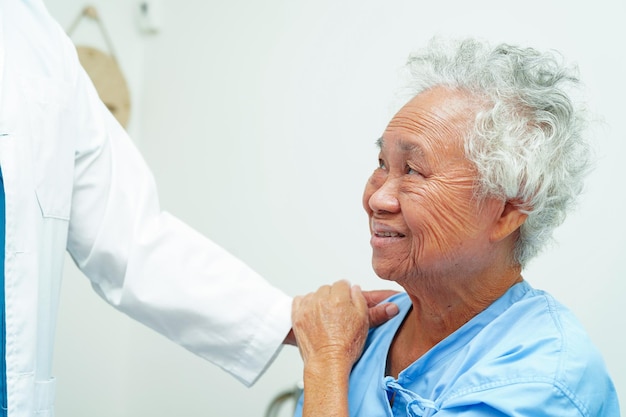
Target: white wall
x=259, y=120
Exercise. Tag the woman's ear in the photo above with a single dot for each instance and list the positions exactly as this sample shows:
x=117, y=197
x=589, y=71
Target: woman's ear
x=511, y=218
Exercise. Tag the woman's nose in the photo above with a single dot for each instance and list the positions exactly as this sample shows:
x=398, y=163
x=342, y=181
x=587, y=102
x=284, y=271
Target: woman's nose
x=383, y=197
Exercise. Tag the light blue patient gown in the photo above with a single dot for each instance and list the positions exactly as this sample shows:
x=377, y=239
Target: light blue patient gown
x=525, y=355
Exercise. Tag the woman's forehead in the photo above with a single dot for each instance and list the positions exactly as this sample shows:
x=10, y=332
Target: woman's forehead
x=436, y=117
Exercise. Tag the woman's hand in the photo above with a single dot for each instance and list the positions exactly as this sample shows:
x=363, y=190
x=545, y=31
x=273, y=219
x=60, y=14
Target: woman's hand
x=330, y=326
x=331, y=323
x=378, y=311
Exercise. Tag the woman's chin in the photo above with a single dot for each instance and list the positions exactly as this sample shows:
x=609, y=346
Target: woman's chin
x=385, y=273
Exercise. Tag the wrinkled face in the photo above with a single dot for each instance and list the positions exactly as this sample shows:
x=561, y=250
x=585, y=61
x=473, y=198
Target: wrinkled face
x=425, y=221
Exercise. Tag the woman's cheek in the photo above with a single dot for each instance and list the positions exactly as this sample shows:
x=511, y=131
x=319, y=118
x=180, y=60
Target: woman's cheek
x=445, y=216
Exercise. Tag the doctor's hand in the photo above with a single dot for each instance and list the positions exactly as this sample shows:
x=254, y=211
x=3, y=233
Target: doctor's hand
x=378, y=311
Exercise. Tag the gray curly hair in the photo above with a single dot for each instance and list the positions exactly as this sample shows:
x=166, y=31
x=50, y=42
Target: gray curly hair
x=527, y=142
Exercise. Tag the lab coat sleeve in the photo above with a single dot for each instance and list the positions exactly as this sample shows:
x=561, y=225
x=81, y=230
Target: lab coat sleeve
x=152, y=266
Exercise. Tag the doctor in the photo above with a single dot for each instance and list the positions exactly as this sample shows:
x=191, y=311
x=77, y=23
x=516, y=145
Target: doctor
x=72, y=180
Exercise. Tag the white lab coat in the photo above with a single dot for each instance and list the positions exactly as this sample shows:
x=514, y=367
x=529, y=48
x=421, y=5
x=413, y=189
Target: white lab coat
x=73, y=180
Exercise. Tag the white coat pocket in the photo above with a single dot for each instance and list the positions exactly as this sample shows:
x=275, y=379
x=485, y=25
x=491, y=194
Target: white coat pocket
x=53, y=141
x=44, y=398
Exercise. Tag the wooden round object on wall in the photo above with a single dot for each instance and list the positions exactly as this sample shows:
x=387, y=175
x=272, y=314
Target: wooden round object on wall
x=108, y=79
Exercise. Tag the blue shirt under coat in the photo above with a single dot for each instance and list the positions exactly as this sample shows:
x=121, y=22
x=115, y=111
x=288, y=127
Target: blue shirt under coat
x=525, y=355
x=3, y=367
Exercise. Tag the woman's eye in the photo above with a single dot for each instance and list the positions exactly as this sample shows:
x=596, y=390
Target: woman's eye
x=412, y=171
x=381, y=164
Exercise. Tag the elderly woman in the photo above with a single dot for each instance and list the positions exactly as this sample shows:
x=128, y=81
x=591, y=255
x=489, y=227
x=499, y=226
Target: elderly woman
x=473, y=175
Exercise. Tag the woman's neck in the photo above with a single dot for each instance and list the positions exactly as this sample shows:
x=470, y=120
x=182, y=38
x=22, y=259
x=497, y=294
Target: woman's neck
x=437, y=313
